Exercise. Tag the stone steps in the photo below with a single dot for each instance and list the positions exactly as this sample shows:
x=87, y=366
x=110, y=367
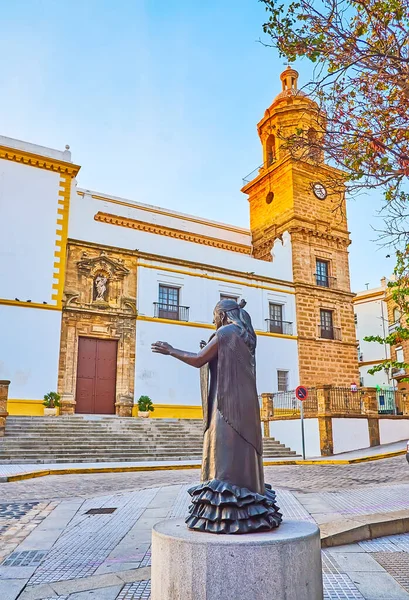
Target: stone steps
x=107, y=439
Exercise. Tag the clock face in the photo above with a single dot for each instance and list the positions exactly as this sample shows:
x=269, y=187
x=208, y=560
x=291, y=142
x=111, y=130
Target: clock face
x=320, y=191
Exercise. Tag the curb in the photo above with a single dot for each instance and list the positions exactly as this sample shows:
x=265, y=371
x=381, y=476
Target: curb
x=176, y=467
x=367, y=527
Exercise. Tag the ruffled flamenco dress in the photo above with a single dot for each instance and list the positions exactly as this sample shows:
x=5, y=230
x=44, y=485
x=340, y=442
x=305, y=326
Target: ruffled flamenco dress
x=232, y=496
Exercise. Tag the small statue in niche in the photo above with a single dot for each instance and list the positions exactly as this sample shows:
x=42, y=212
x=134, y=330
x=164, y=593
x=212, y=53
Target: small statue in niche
x=100, y=285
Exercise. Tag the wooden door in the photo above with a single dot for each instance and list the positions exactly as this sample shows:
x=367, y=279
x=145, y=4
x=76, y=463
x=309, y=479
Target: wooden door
x=96, y=376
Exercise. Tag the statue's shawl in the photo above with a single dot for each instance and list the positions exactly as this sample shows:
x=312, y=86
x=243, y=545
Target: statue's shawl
x=237, y=398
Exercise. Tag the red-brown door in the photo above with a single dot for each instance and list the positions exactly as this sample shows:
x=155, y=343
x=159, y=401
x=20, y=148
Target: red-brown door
x=96, y=376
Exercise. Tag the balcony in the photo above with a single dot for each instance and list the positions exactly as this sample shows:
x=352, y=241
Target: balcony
x=325, y=281
x=271, y=160
x=173, y=312
x=283, y=327
x=398, y=372
x=392, y=328
x=329, y=333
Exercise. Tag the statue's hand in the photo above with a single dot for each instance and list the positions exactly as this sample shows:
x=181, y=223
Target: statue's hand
x=162, y=347
x=202, y=344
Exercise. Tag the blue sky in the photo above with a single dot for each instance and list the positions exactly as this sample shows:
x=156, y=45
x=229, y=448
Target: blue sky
x=159, y=101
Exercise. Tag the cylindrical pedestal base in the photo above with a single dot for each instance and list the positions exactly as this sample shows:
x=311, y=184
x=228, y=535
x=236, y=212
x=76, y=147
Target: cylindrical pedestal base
x=283, y=564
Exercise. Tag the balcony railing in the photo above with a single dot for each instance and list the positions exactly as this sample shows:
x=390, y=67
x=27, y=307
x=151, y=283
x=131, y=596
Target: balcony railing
x=284, y=327
x=398, y=372
x=271, y=160
x=392, y=328
x=329, y=333
x=325, y=281
x=171, y=311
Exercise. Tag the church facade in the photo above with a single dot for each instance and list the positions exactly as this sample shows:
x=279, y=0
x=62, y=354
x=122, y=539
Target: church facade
x=88, y=281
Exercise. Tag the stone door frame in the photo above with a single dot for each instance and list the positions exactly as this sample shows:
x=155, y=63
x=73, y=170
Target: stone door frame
x=122, y=328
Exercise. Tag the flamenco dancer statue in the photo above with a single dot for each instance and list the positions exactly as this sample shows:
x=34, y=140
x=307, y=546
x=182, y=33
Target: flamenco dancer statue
x=232, y=496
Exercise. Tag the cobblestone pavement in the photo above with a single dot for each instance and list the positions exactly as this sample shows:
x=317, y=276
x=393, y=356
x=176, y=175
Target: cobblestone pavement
x=114, y=539
x=103, y=550
x=296, y=478
x=17, y=520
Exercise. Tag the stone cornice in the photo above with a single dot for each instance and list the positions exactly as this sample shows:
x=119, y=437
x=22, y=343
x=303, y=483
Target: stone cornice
x=162, y=211
x=321, y=290
x=41, y=162
x=187, y=236
x=185, y=263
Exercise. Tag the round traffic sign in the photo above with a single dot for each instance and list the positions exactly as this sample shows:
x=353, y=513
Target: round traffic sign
x=301, y=392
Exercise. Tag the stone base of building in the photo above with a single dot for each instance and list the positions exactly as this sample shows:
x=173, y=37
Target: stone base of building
x=191, y=565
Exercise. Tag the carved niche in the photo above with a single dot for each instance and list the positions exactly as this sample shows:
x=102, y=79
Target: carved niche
x=101, y=280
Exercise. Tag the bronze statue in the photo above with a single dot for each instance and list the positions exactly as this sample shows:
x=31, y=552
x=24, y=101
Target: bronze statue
x=232, y=497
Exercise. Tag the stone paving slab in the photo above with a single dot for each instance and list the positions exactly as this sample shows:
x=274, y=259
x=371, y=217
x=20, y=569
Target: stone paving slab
x=10, y=473
x=107, y=556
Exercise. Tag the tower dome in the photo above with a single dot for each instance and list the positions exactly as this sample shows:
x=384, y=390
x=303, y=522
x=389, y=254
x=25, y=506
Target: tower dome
x=289, y=80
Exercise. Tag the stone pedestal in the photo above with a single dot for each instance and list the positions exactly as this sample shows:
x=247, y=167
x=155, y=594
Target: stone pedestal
x=124, y=406
x=67, y=404
x=4, y=393
x=283, y=564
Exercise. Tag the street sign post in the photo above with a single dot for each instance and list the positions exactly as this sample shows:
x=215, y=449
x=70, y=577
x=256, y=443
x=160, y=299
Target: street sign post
x=301, y=393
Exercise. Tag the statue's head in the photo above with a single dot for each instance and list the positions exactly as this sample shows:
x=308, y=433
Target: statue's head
x=229, y=311
x=221, y=311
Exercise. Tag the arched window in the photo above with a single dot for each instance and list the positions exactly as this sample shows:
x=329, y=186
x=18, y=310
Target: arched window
x=396, y=315
x=270, y=150
x=313, y=147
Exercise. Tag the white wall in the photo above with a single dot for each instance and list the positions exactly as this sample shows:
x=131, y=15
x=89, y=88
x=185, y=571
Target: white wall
x=169, y=381
x=289, y=433
x=201, y=295
x=350, y=434
x=163, y=378
x=29, y=350
x=370, y=315
x=28, y=209
x=380, y=378
x=169, y=218
x=393, y=430
x=83, y=227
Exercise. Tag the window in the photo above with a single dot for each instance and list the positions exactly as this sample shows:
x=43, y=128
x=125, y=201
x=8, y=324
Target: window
x=168, y=304
x=282, y=381
x=396, y=315
x=326, y=324
x=322, y=273
x=270, y=147
x=399, y=355
x=229, y=297
x=276, y=318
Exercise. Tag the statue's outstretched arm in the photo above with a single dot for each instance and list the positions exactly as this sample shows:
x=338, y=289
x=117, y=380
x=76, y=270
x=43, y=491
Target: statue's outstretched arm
x=205, y=355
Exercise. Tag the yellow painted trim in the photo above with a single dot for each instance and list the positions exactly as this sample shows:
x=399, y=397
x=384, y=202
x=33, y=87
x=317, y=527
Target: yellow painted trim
x=215, y=278
x=178, y=467
x=277, y=335
x=160, y=211
x=39, y=161
x=380, y=295
x=60, y=252
x=160, y=258
x=173, y=411
x=29, y=304
x=174, y=322
x=29, y=408
x=372, y=362
x=172, y=232
x=207, y=326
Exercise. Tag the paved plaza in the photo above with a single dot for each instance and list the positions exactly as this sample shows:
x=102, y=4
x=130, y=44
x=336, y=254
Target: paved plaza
x=87, y=536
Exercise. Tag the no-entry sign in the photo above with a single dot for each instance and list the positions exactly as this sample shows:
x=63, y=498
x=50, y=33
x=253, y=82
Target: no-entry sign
x=301, y=392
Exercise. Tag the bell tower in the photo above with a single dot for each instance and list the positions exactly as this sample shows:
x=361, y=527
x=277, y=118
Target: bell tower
x=294, y=190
